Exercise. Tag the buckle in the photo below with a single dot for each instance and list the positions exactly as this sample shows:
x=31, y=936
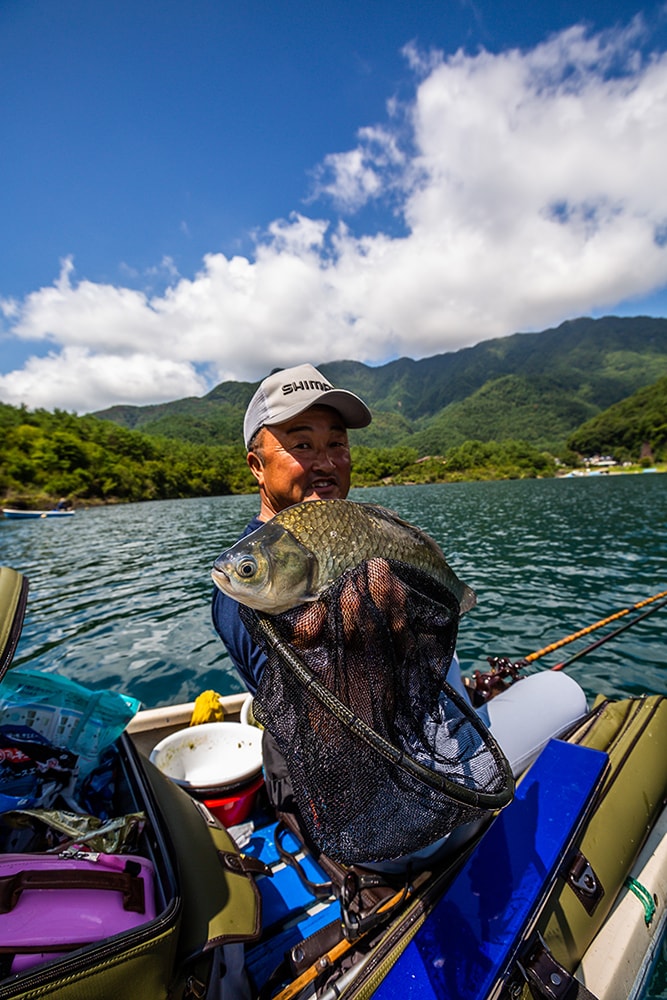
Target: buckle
x=584, y=882
x=243, y=864
x=546, y=977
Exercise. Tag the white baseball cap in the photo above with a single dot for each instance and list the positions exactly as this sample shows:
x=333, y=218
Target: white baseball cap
x=290, y=391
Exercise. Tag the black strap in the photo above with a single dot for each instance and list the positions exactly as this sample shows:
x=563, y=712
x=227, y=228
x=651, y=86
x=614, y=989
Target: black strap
x=548, y=979
x=320, y=890
x=303, y=954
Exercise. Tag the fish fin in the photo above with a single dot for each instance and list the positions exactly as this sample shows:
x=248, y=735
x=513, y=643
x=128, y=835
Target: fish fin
x=468, y=599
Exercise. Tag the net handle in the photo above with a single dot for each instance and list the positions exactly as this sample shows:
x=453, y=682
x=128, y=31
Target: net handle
x=458, y=793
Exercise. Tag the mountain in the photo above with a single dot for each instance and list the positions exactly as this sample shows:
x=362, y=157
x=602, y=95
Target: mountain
x=541, y=411
x=637, y=426
x=539, y=387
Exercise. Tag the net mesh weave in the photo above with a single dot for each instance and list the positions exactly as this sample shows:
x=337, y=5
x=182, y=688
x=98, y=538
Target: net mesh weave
x=384, y=756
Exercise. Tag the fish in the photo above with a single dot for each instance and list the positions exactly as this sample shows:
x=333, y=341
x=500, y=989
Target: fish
x=299, y=553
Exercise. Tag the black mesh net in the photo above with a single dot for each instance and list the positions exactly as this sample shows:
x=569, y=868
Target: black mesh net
x=384, y=756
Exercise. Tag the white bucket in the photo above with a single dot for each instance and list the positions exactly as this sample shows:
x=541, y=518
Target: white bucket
x=215, y=756
x=246, y=715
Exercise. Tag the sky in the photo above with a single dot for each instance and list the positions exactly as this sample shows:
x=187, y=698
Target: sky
x=193, y=191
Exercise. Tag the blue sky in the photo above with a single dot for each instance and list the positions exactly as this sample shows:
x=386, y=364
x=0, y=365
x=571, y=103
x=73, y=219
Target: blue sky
x=203, y=190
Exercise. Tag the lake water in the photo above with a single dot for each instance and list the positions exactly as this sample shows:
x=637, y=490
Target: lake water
x=120, y=596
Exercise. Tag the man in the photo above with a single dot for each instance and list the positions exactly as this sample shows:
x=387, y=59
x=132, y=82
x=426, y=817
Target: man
x=295, y=431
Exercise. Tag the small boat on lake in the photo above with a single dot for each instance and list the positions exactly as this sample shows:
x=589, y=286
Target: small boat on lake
x=568, y=881
x=13, y=513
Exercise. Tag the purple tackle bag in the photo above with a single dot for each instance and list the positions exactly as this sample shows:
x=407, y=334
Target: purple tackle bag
x=52, y=903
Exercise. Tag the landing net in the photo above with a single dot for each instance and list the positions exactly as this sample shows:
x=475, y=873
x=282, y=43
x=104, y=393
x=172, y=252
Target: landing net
x=384, y=755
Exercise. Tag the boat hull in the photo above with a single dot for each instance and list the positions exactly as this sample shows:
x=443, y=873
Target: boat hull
x=469, y=928
x=23, y=515
x=631, y=736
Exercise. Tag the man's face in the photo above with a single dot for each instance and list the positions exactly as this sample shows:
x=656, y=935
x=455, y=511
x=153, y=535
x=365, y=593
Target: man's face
x=305, y=458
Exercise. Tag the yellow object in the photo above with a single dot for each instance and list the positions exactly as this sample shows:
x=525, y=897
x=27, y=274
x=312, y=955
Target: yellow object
x=207, y=708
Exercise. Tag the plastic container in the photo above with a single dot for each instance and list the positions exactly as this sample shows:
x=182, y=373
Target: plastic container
x=246, y=715
x=236, y=807
x=211, y=760
x=219, y=763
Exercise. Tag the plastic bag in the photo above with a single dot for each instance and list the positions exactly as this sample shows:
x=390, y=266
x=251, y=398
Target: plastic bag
x=46, y=830
x=67, y=714
x=33, y=772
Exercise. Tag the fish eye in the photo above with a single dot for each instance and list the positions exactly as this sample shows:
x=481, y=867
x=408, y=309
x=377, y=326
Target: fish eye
x=247, y=567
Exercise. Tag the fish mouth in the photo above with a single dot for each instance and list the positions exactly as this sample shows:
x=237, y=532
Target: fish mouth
x=220, y=578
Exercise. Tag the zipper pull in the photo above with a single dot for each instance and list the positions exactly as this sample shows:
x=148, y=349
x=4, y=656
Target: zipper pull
x=78, y=854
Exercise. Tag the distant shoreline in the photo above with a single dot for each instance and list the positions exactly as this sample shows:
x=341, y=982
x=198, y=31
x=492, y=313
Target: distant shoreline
x=45, y=503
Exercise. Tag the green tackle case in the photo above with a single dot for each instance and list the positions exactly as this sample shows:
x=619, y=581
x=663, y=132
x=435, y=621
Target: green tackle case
x=206, y=901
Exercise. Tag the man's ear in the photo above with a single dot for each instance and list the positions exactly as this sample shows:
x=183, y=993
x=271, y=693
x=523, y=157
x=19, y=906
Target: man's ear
x=256, y=467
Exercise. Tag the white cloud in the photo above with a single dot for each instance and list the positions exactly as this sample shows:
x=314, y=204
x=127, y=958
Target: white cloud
x=530, y=189
x=76, y=378
x=352, y=178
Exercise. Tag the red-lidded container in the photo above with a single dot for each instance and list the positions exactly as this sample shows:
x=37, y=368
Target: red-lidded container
x=237, y=806
x=219, y=763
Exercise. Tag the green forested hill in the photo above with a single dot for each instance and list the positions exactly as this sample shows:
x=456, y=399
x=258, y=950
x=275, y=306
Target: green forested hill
x=45, y=455
x=538, y=387
x=541, y=410
x=635, y=427
x=506, y=408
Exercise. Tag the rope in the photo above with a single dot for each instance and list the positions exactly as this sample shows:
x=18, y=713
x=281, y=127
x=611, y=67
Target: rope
x=644, y=897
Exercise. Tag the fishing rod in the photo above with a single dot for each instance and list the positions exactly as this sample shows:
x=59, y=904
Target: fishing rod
x=605, y=638
x=503, y=672
x=591, y=628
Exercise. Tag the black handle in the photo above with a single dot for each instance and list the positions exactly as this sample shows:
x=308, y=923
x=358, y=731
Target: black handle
x=130, y=886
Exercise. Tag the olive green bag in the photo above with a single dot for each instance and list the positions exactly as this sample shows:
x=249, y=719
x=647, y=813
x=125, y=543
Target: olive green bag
x=206, y=897
x=13, y=599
